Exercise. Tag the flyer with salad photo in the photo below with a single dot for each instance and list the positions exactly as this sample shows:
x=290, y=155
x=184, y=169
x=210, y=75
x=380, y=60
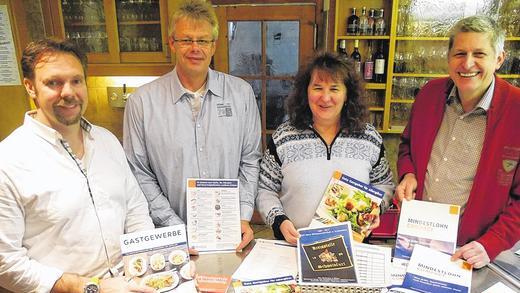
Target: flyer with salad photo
x=158, y=258
x=348, y=200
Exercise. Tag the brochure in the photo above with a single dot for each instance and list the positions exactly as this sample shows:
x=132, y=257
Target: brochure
x=212, y=283
x=373, y=265
x=213, y=214
x=426, y=223
x=157, y=258
x=433, y=271
x=285, y=284
x=267, y=260
x=325, y=255
x=348, y=200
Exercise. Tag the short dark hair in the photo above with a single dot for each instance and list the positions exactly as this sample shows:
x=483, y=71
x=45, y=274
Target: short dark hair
x=35, y=51
x=353, y=114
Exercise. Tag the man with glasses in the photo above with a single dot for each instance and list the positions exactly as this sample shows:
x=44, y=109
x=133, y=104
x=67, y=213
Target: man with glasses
x=193, y=122
x=66, y=190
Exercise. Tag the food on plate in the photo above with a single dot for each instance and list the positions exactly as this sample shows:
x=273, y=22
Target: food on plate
x=161, y=281
x=157, y=262
x=137, y=266
x=346, y=204
x=185, y=272
x=177, y=257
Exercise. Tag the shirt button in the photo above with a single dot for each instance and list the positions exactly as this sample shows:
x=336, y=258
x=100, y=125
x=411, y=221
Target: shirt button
x=430, y=199
x=461, y=117
x=453, y=138
x=436, y=179
x=445, y=159
x=198, y=125
x=200, y=149
x=204, y=173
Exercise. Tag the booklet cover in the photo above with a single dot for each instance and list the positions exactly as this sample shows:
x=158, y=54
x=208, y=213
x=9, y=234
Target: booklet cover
x=285, y=284
x=348, y=200
x=428, y=224
x=325, y=255
x=433, y=271
x=213, y=214
x=157, y=258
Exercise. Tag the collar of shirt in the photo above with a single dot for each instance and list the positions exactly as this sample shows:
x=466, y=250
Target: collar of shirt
x=212, y=85
x=485, y=101
x=50, y=134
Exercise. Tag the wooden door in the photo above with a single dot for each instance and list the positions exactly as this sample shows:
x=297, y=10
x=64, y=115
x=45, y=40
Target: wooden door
x=265, y=45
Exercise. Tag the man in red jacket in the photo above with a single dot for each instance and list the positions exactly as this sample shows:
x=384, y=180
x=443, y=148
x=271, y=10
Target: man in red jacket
x=462, y=145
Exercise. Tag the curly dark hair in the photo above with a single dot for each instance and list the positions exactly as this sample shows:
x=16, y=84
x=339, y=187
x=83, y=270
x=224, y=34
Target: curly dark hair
x=35, y=51
x=353, y=115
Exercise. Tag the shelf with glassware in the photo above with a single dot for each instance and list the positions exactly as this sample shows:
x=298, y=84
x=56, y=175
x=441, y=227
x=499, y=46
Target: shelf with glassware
x=418, y=48
x=115, y=33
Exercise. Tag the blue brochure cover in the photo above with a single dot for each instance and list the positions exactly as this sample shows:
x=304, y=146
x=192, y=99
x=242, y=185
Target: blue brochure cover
x=325, y=255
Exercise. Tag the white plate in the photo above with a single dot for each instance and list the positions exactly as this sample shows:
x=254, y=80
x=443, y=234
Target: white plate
x=177, y=257
x=157, y=262
x=137, y=266
x=161, y=282
x=185, y=272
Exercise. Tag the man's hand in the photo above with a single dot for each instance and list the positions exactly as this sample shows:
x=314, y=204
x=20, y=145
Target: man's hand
x=289, y=232
x=247, y=234
x=406, y=188
x=119, y=285
x=474, y=253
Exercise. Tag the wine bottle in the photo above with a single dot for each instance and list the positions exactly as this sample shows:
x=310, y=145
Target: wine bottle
x=379, y=68
x=356, y=57
x=368, y=72
x=371, y=21
x=353, y=23
x=379, y=25
x=342, y=48
x=363, y=22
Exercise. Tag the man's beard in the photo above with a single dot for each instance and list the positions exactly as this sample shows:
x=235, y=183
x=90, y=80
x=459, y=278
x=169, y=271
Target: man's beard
x=68, y=120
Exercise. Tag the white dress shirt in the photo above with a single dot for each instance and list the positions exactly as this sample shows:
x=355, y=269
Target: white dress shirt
x=49, y=224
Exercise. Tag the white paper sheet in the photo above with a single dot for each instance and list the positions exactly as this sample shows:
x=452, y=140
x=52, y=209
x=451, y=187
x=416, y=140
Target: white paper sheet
x=9, y=73
x=213, y=211
x=268, y=259
x=498, y=287
x=373, y=265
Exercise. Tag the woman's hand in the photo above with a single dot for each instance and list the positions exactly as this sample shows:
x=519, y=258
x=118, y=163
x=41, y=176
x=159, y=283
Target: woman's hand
x=289, y=232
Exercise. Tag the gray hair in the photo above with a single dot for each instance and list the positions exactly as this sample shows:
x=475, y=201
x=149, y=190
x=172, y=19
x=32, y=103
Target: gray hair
x=480, y=24
x=195, y=10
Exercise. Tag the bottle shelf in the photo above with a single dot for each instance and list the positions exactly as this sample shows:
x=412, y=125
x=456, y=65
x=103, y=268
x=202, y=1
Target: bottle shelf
x=360, y=37
x=375, y=86
x=430, y=75
x=509, y=75
x=402, y=101
x=407, y=38
x=138, y=22
x=376, y=109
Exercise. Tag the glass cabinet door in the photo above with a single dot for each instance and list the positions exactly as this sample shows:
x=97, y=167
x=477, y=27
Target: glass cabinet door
x=84, y=23
x=142, y=34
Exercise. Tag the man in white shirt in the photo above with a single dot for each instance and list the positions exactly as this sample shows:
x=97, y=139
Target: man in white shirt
x=66, y=190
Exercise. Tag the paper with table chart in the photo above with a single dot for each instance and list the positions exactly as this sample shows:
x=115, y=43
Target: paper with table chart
x=373, y=265
x=268, y=259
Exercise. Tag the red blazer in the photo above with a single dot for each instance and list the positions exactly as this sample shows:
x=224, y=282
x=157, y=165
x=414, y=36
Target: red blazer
x=492, y=214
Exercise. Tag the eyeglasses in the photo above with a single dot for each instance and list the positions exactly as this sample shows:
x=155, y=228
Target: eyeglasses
x=189, y=42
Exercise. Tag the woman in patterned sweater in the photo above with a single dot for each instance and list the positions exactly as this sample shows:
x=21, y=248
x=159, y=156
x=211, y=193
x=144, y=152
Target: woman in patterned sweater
x=326, y=131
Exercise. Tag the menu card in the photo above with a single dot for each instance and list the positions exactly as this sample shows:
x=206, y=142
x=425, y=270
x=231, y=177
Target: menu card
x=285, y=284
x=426, y=223
x=212, y=283
x=157, y=258
x=348, y=200
x=213, y=211
x=325, y=255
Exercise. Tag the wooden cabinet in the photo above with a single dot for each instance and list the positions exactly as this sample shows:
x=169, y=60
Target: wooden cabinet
x=416, y=45
x=126, y=37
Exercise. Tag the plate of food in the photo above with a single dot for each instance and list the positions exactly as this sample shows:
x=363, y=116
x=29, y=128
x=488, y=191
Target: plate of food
x=185, y=272
x=177, y=257
x=161, y=282
x=157, y=262
x=137, y=266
